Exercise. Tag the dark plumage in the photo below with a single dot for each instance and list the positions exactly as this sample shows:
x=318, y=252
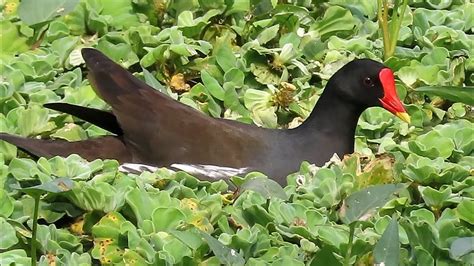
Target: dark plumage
x=153, y=129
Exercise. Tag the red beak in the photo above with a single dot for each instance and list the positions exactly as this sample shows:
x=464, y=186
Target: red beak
x=390, y=100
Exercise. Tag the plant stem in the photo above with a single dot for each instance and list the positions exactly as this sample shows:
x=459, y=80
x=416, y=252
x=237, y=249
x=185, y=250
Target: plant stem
x=347, y=258
x=35, y=229
x=395, y=31
x=383, y=24
x=390, y=32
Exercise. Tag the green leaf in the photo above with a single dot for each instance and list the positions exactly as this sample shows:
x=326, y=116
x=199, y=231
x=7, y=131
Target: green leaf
x=6, y=209
x=432, y=145
x=224, y=56
x=268, y=188
x=268, y=34
x=212, y=4
x=121, y=11
x=34, y=12
x=63, y=48
x=21, y=169
x=265, y=117
x=185, y=19
x=465, y=211
x=461, y=247
x=133, y=257
x=423, y=257
x=326, y=256
x=97, y=196
x=165, y=218
x=190, y=238
x=71, y=132
x=452, y=93
x=143, y=204
x=387, y=249
x=8, y=237
x=214, y=88
x=332, y=235
x=58, y=185
x=426, y=171
x=214, y=108
x=11, y=42
x=435, y=198
x=30, y=121
x=336, y=19
x=235, y=77
x=264, y=74
x=260, y=7
x=464, y=141
x=109, y=226
x=362, y=205
x=15, y=256
x=57, y=29
x=227, y=256
x=257, y=99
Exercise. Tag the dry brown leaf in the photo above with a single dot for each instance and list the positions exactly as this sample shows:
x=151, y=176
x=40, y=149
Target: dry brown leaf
x=178, y=83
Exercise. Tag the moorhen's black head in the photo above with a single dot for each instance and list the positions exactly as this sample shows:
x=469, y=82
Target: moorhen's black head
x=367, y=83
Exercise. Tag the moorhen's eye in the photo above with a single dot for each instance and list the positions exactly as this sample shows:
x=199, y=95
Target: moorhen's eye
x=368, y=82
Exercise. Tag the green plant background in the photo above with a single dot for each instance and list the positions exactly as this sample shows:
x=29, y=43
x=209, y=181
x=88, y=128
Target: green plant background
x=405, y=197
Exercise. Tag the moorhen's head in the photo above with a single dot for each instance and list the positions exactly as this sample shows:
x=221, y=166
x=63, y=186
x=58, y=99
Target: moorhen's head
x=367, y=83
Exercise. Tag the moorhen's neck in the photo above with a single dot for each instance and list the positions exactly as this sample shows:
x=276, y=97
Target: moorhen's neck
x=333, y=114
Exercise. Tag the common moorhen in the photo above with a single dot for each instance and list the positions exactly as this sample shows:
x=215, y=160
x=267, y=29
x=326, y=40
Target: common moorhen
x=153, y=129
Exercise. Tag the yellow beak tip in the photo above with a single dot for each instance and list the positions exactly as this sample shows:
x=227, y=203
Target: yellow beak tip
x=404, y=116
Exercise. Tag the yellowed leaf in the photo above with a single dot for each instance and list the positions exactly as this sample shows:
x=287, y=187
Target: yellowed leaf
x=178, y=83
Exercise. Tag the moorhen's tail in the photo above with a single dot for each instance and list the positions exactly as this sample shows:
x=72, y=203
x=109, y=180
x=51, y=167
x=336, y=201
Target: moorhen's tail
x=100, y=118
x=108, y=147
